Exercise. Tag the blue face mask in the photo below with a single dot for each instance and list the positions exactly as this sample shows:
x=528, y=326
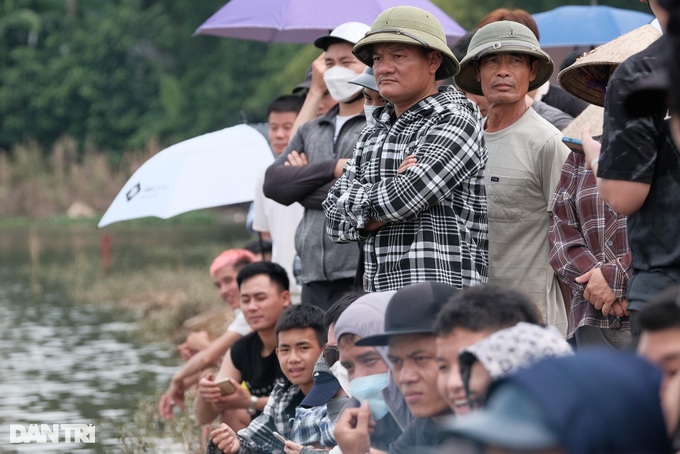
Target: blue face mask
x=369, y=389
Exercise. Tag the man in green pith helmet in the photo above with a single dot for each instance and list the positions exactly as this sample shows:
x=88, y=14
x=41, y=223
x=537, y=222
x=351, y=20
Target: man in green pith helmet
x=413, y=191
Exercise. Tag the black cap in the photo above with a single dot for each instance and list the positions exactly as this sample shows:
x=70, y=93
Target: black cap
x=412, y=310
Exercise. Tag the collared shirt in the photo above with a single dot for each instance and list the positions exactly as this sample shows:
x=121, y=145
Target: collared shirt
x=586, y=233
x=435, y=212
x=277, y=416
x=311, y=426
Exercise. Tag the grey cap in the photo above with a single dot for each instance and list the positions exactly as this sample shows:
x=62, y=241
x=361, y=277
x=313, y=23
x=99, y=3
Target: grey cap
x=365, y=317
x=502, y=37
x=412, y=310
x=366, y=79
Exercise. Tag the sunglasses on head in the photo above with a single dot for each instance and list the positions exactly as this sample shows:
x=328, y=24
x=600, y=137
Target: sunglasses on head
x=331, y=354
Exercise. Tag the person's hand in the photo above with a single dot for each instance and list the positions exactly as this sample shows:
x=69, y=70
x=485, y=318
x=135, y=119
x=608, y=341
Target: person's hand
x=185, y=352
x=408, y=162
x=339, y=166
x=591, y=147
x=352, y=430
x=197, y=340
x=208, y=390
x=318, y=68
x=296, y=159
x=292, y=448
x=598, y=293
x=238, y=399
x=225, y=438
x=173, y=396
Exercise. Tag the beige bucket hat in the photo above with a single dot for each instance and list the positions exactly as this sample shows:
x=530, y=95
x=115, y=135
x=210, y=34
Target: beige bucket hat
x=410, y=25
x=502, y=37
x=587, y=78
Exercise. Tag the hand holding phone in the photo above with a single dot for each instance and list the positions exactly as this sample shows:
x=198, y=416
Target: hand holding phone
x=279, y=437
x=226, y=386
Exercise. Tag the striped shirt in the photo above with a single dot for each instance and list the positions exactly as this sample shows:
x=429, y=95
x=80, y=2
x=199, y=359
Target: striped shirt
x=585, y=233
x=435, y=212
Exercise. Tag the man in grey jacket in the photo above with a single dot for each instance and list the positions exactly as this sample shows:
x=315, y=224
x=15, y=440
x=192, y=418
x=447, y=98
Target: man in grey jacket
x=312, y=162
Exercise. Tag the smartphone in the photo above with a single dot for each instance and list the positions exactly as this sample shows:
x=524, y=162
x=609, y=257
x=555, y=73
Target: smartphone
x=226, y=386
x=573, y=144
x=279, y=437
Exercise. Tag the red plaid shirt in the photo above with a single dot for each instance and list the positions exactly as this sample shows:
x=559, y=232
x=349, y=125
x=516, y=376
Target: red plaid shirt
x=585, y=233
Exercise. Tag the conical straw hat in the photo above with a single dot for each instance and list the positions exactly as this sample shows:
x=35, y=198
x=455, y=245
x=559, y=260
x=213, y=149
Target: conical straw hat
x=593, y=115
x=587, y=78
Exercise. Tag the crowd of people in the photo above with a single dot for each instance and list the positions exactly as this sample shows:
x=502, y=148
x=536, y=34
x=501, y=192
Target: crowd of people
x=505, y=293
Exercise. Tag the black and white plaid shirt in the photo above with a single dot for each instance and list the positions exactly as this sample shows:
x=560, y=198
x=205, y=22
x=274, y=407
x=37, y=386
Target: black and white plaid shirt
x=435, y=212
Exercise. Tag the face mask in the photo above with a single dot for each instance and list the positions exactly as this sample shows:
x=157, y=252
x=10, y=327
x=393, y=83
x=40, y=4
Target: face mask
x=337, y=81
x=340, y=373
x=370, y=119
x=369, y=389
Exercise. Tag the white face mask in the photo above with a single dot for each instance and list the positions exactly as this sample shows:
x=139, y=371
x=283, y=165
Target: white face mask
x=370, y=119
x=340, y=373
x=337, y=81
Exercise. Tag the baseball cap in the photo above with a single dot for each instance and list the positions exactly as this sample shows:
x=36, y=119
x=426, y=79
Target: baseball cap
x=366, y=79
x=412, y=310
x=349, y=31
x=325, y=385
x=305, y=84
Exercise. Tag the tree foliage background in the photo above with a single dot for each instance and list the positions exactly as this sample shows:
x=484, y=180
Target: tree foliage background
x=116, y=73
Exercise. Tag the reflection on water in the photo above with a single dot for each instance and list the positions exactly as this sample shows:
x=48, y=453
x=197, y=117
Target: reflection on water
x=70, y=363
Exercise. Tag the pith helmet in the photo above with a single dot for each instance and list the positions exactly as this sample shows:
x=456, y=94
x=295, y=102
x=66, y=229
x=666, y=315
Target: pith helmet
x=410, y=25
x=502, y=37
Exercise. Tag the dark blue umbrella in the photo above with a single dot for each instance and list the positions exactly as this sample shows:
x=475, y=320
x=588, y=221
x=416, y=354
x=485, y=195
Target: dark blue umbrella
x=582, y=25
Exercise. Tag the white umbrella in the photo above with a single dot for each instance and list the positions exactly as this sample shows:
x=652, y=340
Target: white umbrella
x=215, y=169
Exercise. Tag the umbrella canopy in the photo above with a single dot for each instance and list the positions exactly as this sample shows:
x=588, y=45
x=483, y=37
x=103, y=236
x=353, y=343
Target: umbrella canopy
x=215, y=169
x=302, y=21
x=582, y=25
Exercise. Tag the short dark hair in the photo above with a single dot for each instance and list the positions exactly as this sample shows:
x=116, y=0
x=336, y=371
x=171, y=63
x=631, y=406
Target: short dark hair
x=460, y=48
x=275, y=272
x=338, y=307
x=286, y=103
x=662, y=311
x=486, y=307
x=301, y=316
x=515, y=15
x=263, y=247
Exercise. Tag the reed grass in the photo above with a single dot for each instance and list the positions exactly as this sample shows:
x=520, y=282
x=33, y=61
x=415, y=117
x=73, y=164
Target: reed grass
x=39, y=183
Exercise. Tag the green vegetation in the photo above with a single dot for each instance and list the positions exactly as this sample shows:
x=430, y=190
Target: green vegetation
x=91, y=89
x=114, y=75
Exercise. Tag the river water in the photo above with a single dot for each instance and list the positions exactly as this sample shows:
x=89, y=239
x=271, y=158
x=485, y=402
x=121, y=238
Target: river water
x=71, y=363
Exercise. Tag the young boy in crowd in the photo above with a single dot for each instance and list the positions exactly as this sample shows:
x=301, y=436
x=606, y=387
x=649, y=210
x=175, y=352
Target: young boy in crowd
x=301, y=338
x=263, y=288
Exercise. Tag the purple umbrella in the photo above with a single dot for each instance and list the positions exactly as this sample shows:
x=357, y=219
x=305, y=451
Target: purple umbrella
x=302, y=21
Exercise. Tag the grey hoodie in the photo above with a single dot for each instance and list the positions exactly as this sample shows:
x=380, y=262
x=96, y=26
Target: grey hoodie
x=321, y=258
x=366, y=317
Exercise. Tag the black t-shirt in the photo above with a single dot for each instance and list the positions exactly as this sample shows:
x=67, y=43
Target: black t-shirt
x=260, y=373
x=641, y=149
